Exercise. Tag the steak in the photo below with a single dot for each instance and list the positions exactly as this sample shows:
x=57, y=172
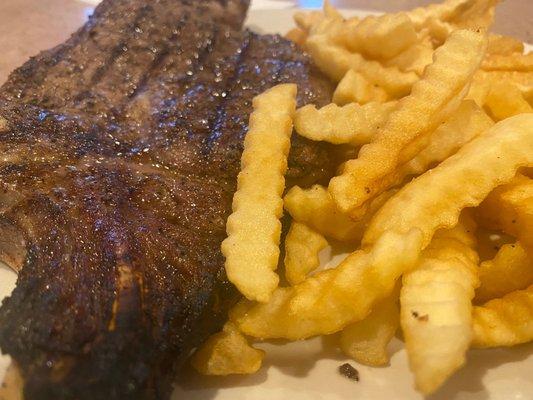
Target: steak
x=119, y=155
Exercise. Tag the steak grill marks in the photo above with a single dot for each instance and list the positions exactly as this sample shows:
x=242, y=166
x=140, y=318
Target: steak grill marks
x=118, y=167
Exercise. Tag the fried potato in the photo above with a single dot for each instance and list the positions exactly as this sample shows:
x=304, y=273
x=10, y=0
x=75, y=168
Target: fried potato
x=438, y=31
x=226, y=353
x=440, y=20
x=302, y=246
x=506, y=321
x=512, y=62
x=315, y=208
x=335, y=61
x=504, y=45
x=511, y=269
x=436, y=306
x=415, y=58
x=504, y=100
x=478, y=90
x=252, y=246
x=330, y=11
x=366, y=341
x=468, y=122
x=351, y=124
x=479, y=16
x=328, y=21
x=355, y=88
x=484, y=80
x=463, y=180
x=432, y=100
x=510, y=208
x=298, y=36
x=330, y=300
x=380, y=37
x=444, y=11
x=307, y=20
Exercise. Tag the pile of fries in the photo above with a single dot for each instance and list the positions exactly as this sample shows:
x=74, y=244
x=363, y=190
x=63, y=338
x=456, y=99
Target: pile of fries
x=439, y=115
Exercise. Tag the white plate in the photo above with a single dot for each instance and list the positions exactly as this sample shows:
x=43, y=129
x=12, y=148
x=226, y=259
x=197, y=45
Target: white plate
x=308, y=369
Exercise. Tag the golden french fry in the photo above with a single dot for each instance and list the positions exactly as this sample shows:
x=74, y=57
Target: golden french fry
x=511, y=62
x=355, y=88
x=252, y=246
x=462, y=178
x=468, y=122
x=438, y=31
x=328, y=21
x=227, y=353
x=436, y=306
x=479, y=16
x=484, y=80
x=504, y=100
x=298, y=36
x=366, y=341
x=315, y=208
x=504, y=45
x=306, y=20
x=440, y=20
x=506, y=321
x=335, y=61
x=330, y=300
x=510, y=208
x=415, y=58
x=380, y=37
x=444, y=11
x=511, y=269
x=352, y=124
x=302, y=246
x=330, y=11
x=432, y=100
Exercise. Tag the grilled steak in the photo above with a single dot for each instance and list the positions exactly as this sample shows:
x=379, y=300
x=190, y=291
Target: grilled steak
x=119, y=155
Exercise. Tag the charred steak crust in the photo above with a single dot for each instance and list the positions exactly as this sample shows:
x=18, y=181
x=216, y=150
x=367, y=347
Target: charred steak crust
x=119, y=162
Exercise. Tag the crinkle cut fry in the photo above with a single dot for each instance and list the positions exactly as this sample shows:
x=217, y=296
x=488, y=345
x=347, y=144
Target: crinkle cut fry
x=512, y=62
x=355, y=88
x=315, y=208
x=302, y=247
x=367, y=341
x=252, y=246
x=436, y=305
x=510, y=208
x=351, y=124
x=506, y=321
x=511, y=269
x=432, y=100
x=380, y=37
x=226, y=353
x=443, y=11
x=468, y=122
x=335, y=61
x=332, y=299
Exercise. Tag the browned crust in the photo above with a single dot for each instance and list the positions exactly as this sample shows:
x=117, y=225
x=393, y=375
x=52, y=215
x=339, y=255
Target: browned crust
x=12, y=245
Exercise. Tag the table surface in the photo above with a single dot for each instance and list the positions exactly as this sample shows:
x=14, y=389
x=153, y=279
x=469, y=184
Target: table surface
x=28, y=26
